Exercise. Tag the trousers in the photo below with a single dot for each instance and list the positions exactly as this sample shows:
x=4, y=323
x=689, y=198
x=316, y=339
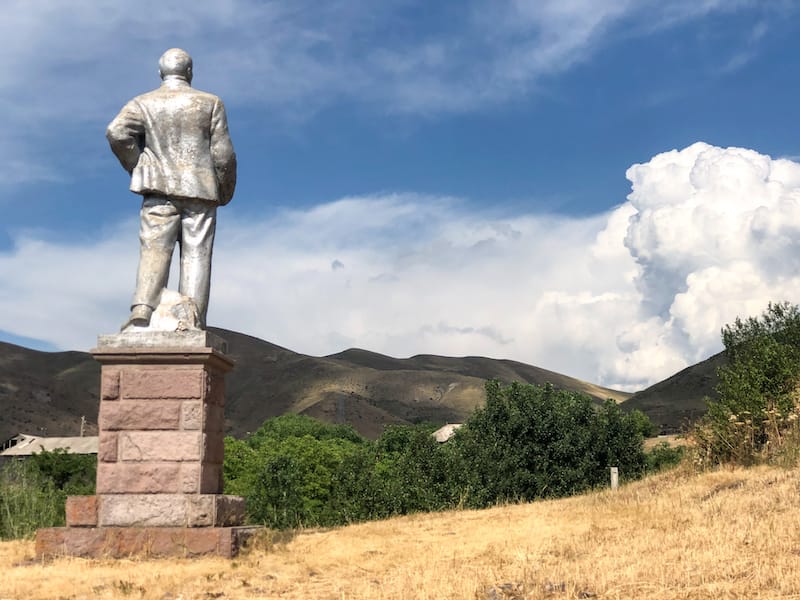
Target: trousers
x=166, y=221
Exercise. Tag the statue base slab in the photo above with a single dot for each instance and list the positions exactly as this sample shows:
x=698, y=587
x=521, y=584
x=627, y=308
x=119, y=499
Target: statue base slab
x=145, y=542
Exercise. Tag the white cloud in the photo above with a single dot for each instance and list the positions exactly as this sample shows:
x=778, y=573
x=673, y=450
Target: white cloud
x=716, y=235
x=623, y=298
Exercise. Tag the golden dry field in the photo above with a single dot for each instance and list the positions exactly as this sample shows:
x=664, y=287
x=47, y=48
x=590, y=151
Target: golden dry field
x=727, y=534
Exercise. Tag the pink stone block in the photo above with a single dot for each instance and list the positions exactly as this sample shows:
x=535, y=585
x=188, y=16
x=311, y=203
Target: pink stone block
x=154, y=446
x=107, y=447
x=216, y=390
x=81, y=511
x=139, y=414
x=148, y=478
x=123, y=542
x=176, y=383
x=190, y=478
x=214, y=419
x=109, y=384
x=170, y=510
x=191, y=415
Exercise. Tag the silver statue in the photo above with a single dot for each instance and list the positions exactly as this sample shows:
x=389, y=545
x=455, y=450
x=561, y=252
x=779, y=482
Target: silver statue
x=174, y=142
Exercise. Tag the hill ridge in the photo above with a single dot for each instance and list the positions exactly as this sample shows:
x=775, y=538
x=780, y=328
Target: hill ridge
x=49, y=391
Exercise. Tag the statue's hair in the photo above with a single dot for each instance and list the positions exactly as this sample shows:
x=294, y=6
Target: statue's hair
x=175, y=62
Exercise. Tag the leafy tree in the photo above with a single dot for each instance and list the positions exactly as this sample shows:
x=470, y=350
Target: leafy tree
x=292, y=425
x=292, y=472
x=414, y=471
x=527, y=442
x=74, y=474
x=757, y=401
x=536, y=441
x=297, y=482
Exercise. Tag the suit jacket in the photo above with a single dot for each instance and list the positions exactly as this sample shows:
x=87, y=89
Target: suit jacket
x=174, y=141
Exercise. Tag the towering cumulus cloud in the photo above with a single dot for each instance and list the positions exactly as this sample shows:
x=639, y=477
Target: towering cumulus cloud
x=716, y=234
x=707, y=234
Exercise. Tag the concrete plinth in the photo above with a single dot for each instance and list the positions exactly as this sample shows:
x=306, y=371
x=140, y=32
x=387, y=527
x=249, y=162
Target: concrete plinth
x=122, y=542
x=155, y=510
x=160, y=455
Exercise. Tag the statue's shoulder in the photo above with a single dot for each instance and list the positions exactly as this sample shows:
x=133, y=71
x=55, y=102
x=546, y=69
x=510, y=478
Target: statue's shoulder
x=165, y=95
x=207, y=95
x=156, y=93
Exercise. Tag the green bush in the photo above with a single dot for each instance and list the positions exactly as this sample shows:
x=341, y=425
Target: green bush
x=415, y=472
x=532, y=442
x=299, y=482
x=33, y=491
x=297, y=471
x=527, y=442
x=663, y=456
x=755, y=417
x=28, y=501
x=73, y=474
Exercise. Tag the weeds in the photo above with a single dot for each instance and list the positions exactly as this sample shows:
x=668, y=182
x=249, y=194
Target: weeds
x=27, y=501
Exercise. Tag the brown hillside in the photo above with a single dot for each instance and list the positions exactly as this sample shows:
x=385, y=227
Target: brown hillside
x=46, y=392
x=680, y=399
x=367, y=390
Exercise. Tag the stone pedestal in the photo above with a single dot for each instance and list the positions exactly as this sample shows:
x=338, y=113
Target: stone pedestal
x=159, y=468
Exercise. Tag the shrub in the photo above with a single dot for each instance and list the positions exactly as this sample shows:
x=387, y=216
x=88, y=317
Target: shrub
x=756, y=412
x=33, y=491
x=415, y=472
x=73, y=474
x=527, y=442
x=297, y=471
x=663, y=456
x=28, y=501
x=532, y=442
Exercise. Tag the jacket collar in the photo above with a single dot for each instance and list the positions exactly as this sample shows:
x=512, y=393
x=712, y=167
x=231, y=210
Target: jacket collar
x=173, y=81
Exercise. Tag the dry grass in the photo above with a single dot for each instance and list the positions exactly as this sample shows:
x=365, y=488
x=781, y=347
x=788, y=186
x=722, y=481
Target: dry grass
x=729, y=534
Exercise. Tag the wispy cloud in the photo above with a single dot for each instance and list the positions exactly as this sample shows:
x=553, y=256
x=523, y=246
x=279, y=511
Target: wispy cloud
x=69, y=66
x=623, y=298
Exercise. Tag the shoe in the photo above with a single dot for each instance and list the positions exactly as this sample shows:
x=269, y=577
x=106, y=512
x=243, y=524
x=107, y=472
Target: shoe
x=140, y=317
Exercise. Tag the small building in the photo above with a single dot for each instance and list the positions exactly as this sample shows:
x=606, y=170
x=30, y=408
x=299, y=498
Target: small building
x=24, y=444
x=446, y=432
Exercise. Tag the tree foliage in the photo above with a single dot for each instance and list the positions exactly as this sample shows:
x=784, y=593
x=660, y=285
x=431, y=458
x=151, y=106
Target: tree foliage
x=33, y=491
x=754, y=415
x=527, y=442
x=532, y=442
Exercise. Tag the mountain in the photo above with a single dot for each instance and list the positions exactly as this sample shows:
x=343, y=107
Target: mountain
x=46, y=393
x=678, y=400
x=366, y=389
x=50, y=391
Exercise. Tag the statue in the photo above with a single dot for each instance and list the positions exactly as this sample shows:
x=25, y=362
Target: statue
x=174, y=143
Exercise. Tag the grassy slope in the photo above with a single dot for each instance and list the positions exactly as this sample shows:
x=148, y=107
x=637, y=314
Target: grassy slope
x=728, y=534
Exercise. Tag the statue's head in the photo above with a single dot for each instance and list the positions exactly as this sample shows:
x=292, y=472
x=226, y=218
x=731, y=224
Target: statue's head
x=175, y=63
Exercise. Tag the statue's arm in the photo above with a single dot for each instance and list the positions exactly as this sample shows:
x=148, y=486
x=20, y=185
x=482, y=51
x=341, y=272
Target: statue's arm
x=125, y=134
x=222, y=153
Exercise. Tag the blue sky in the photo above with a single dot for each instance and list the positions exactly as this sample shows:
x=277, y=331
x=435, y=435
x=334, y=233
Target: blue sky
x=418, y=177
